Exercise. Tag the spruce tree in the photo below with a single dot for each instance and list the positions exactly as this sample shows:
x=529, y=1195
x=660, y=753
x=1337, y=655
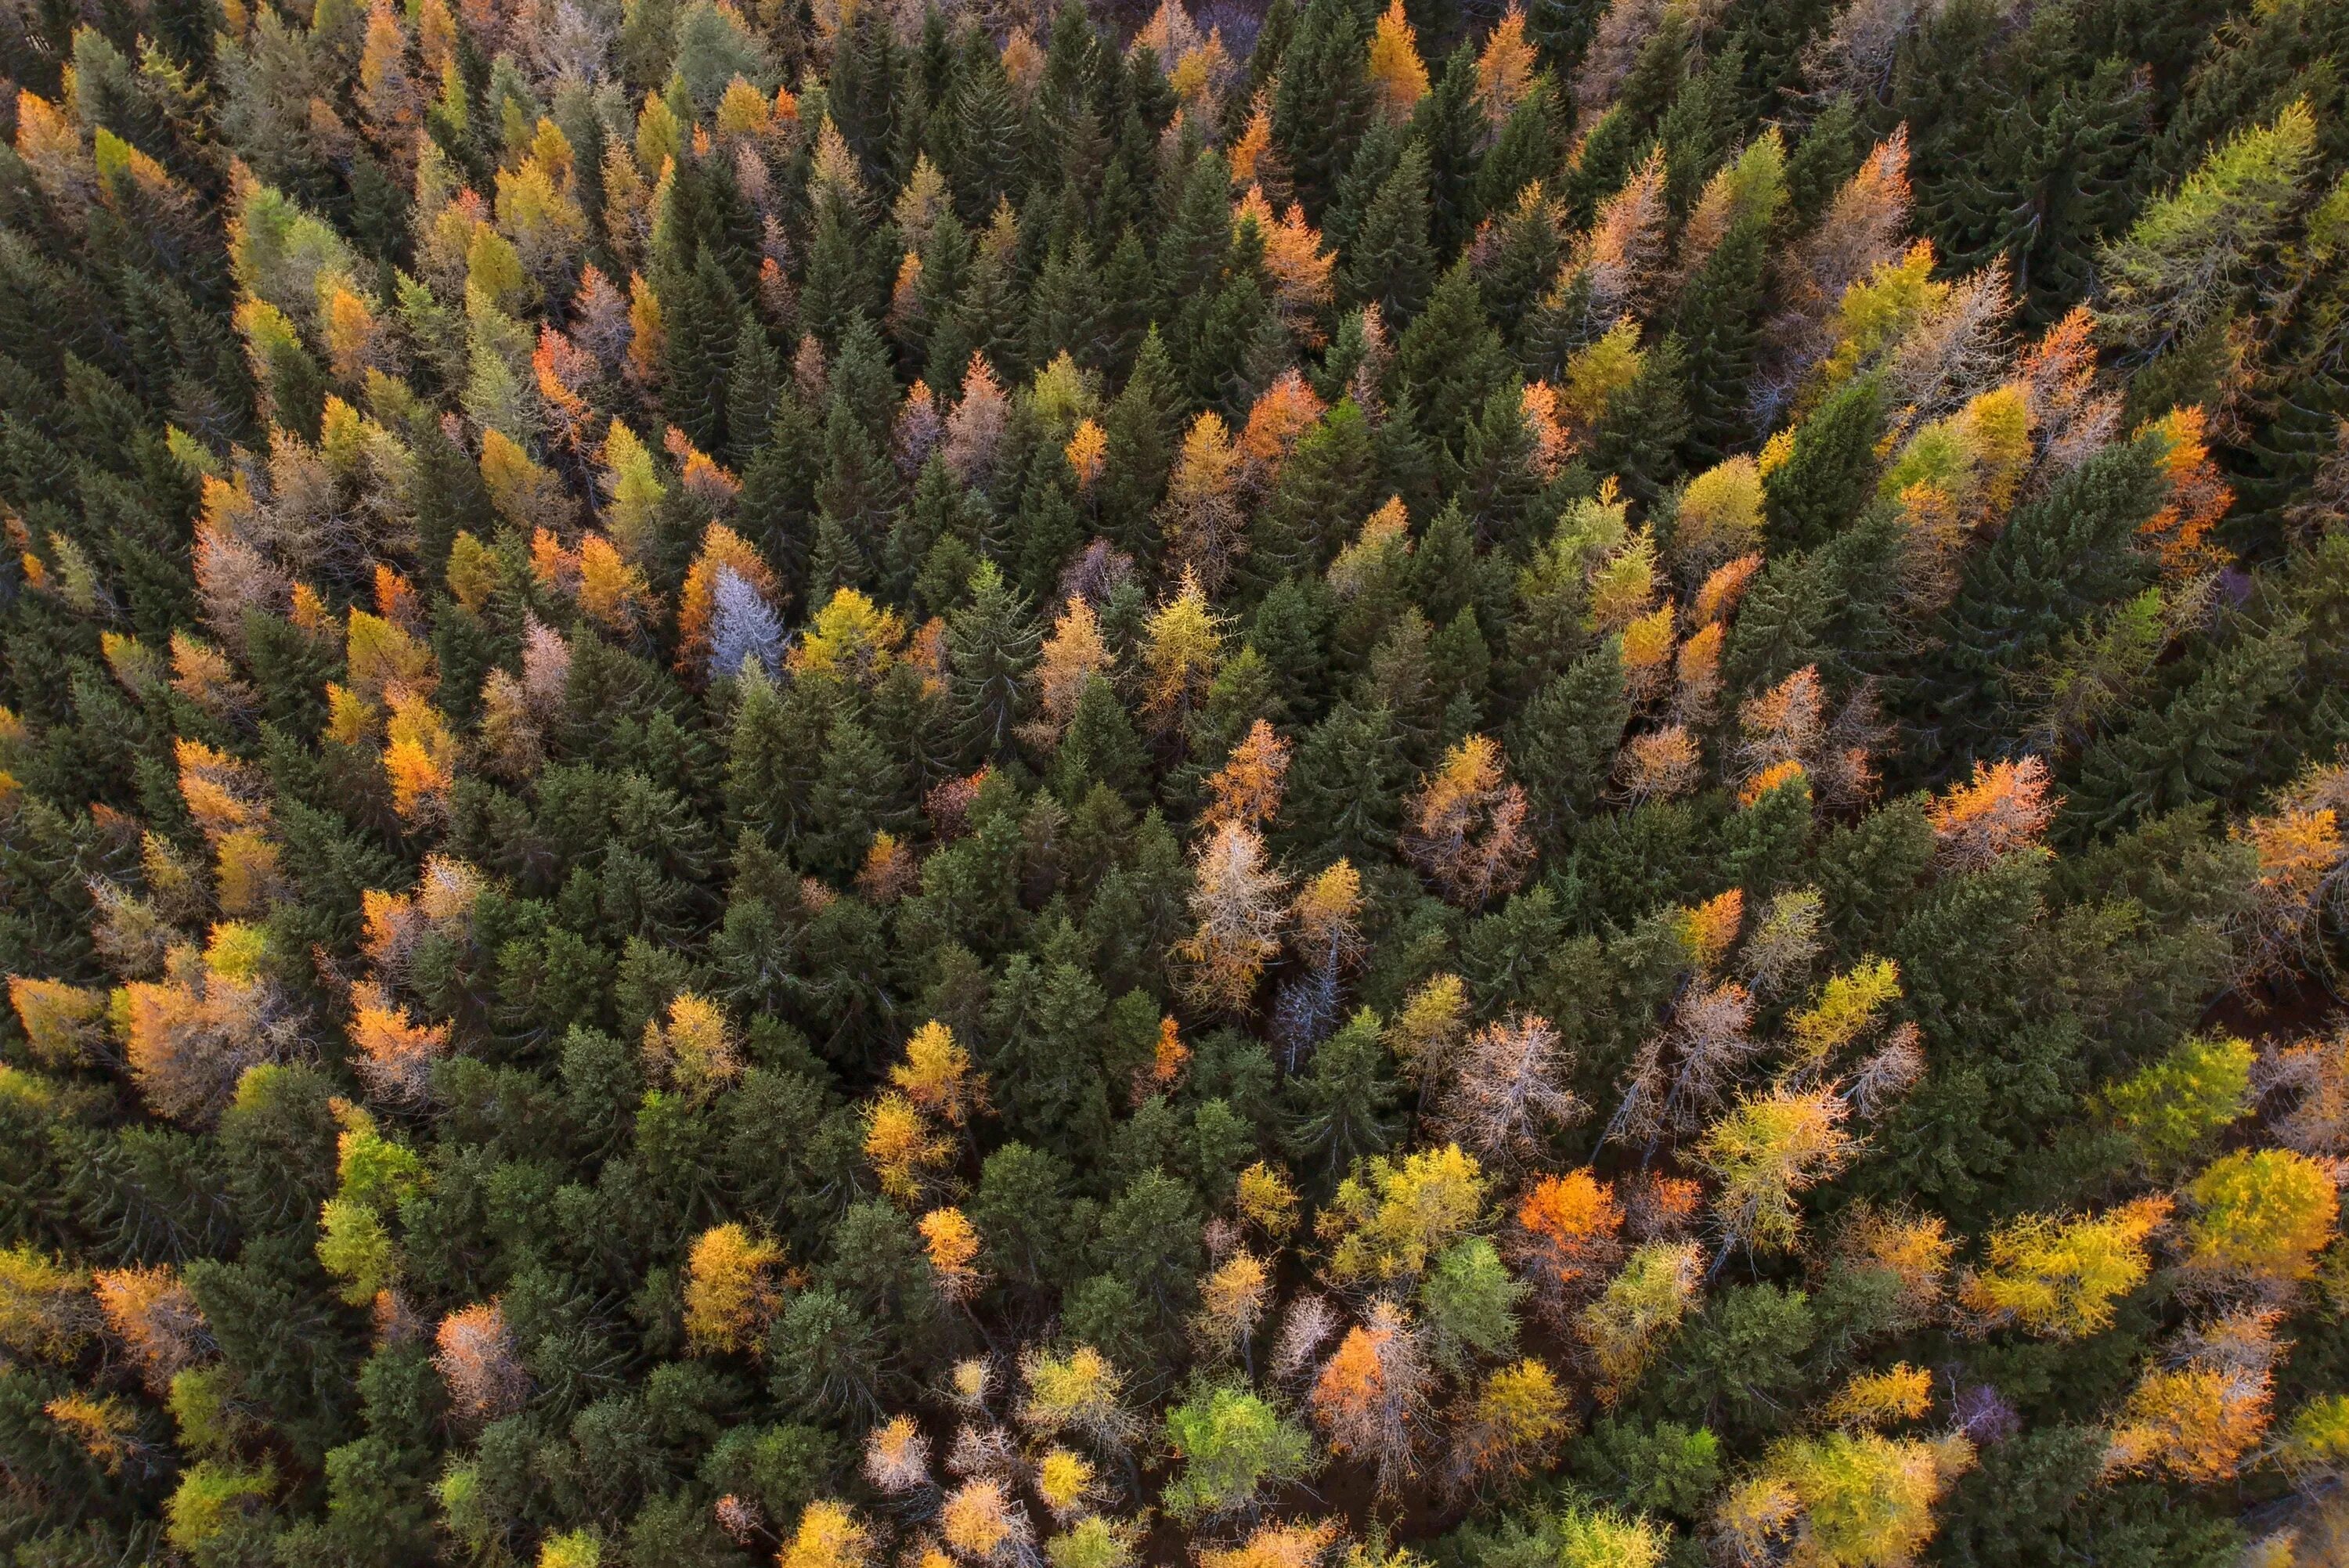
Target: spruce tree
x=1389, y=261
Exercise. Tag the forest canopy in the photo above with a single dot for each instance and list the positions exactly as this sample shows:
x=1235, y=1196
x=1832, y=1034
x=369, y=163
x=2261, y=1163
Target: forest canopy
x=886, y=784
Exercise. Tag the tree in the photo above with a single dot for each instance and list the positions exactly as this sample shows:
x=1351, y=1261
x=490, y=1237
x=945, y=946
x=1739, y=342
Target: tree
x=1855, y=1501
x=1398, y=77
x=1370, y=1394
x=1389, y=263
x=1081, y=1392
x=1389, y=1218
x=2181, y=263
x=730, y=1294
x=991, y=649
x=1508, y=1094
x=2061, y=1278
x=2171, y=1107
x=1236, y=901
x=1765, y=1153
x=1231, y=1446
x=477, y=1359
x=2262, y=1214
x=1566, y=1237
x=2198, y=1420
x=1517, y=1419
x=1640, y=1306
x=1200, y=518
x=1467, y=829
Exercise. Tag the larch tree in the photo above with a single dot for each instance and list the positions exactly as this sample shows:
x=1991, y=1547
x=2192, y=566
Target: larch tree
x=1238, y=903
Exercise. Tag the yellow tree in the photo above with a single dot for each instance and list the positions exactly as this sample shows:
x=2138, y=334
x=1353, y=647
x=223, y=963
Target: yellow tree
x=1389, y=1218
x=1846, y=1006
x=952, y=1242
x=1720, y=517
x=61, y=1022
x=2304, y=871
x=1426, y=1034
x=2260, y=1215
x=153, y=1312
x=1233, y=1298
x=1266, y=1198
x=1765, y=1153
x=897, y=1457
x=1640, y=1306
x=1081, y=1392
x=903, y=1147
x=695, y=1049
x=828, y=1536
x=2059, y=1278
x=1505, y=70
x=1398, y=77
x=45, y=1305
x=1841, y=1500
x=730, y=1292
x=1515, y=1423
x=937, y=1075
x=1181, y=646
x=1297, y=1543
x=1898, y=1393
x=1200, y=515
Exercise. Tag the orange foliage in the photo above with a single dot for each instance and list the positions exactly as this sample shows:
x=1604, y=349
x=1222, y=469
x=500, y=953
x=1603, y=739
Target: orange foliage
x=1371, y=1396
x=1566, y=1237
x=151, y=1311
x=1282, y=413
x=394, y=1057
x=2005, y=807
x=1467, y=826
x=1072, y=656
x=1504, y=71
x=477, y=1359
x=1247, y=788
x=1297, y=265
x=2197, y=1422
x=612, y=589
x=1087, y=451
x=1168, y=1056
x=2198, y=497
x=721, y=550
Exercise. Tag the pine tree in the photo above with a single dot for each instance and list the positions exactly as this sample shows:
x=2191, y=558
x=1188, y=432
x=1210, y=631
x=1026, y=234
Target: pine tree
x=1322, y=99
x=1390, y=260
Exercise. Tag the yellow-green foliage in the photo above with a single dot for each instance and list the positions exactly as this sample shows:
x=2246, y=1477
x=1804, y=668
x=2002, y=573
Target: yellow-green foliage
x=1390, y=1217
x=2170, y=1108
